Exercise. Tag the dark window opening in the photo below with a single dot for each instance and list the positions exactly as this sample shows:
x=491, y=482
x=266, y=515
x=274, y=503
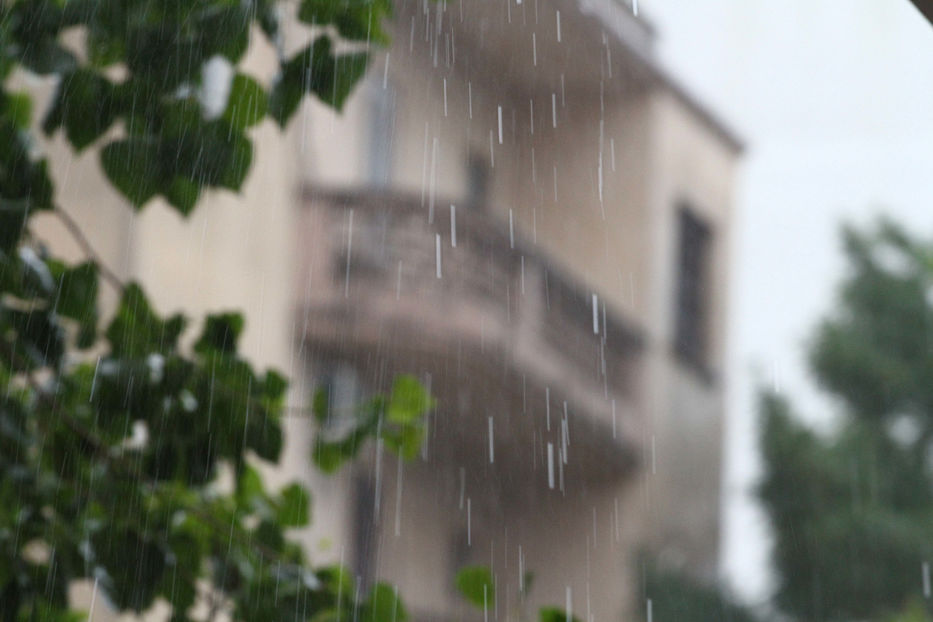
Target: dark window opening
x=691, y=331
x=477, y=191
x=365, y=532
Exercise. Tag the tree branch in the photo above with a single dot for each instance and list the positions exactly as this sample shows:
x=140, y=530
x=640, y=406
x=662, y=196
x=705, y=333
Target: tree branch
x=75, y=230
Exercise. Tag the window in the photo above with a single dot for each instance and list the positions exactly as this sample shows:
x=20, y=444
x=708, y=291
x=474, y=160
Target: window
x=692, y=289
x=365, y=534
x=344, y=389
x=477, y=181
x=382, y=124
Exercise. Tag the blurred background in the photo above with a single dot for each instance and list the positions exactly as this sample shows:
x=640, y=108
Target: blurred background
x=833, y=99
x=664, y=266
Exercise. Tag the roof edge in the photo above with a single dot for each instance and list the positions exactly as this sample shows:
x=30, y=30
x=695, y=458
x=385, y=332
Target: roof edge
x=732, y=139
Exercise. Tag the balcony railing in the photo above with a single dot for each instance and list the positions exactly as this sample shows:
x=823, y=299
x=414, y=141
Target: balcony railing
x=386, y=273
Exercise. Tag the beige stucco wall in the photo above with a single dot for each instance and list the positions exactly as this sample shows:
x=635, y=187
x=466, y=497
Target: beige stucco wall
x=684, y=410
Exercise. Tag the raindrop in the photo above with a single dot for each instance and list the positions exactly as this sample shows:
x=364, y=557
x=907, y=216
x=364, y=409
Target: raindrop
x=469, y=526
x=398, y=282
x=453, y=225
x=926, y=579
x=346, y=284
x=470, y=97
x=492, y=451
x=613, y=418
x=595, y=315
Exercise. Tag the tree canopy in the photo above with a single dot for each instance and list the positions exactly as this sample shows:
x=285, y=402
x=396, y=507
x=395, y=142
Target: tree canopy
x=852, y=511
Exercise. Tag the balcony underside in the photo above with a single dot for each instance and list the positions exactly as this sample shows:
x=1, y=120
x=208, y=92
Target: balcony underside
x=496, y=335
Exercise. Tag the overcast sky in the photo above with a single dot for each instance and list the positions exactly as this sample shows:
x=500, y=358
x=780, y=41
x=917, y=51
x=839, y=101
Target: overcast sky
x=835, y=101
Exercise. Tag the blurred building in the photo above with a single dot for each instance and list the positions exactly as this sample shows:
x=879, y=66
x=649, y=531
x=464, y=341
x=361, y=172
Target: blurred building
x=522, y=209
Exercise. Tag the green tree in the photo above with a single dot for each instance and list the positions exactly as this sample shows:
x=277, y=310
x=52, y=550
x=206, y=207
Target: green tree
x=146, y=516
x=852, y=511
x=674, y=595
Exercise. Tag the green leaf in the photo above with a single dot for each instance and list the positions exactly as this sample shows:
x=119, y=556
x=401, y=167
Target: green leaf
x=316, y=70
x=408, y=401
x=249, y=486
x=269, y=535
x=275, y=385
x=225, y=30
x=134, y=564
x=13, y=215
x=38, y=335
x=136, y=330
x=238, y=161
x=46, y=56
x=554, y=614
x=77, y=297
x=220, y=333
x=328, y=456
x=383, y=605
x=336, y=580
x=247, y=103
x=183, y=194
x=356, y=20
x=265, y=438
x=133, y=167
x=320, y=405
x=295, y=506
x=18, y=107
x=476, y=584
x=77, y=289
x=85, y=105
x=406, y=441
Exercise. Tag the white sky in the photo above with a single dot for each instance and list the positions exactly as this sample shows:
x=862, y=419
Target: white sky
x=835, y=101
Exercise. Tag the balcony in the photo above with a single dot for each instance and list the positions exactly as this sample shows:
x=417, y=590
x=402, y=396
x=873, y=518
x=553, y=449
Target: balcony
x=532, y=48
x=512, y=346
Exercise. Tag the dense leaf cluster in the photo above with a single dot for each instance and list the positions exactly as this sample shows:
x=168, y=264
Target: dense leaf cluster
x=674, y=595
x=852, y=511
x=128, y=446
x=164, y=143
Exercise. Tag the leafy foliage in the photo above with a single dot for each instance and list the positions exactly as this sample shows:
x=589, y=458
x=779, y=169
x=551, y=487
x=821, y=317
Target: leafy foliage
x=677, y=596
x=172, y=146
x=476, y=584
x=852, y=510
x=396, y=420
x=128, y=457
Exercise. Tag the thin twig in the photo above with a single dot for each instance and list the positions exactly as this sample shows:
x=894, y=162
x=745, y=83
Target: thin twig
x=75, y=230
